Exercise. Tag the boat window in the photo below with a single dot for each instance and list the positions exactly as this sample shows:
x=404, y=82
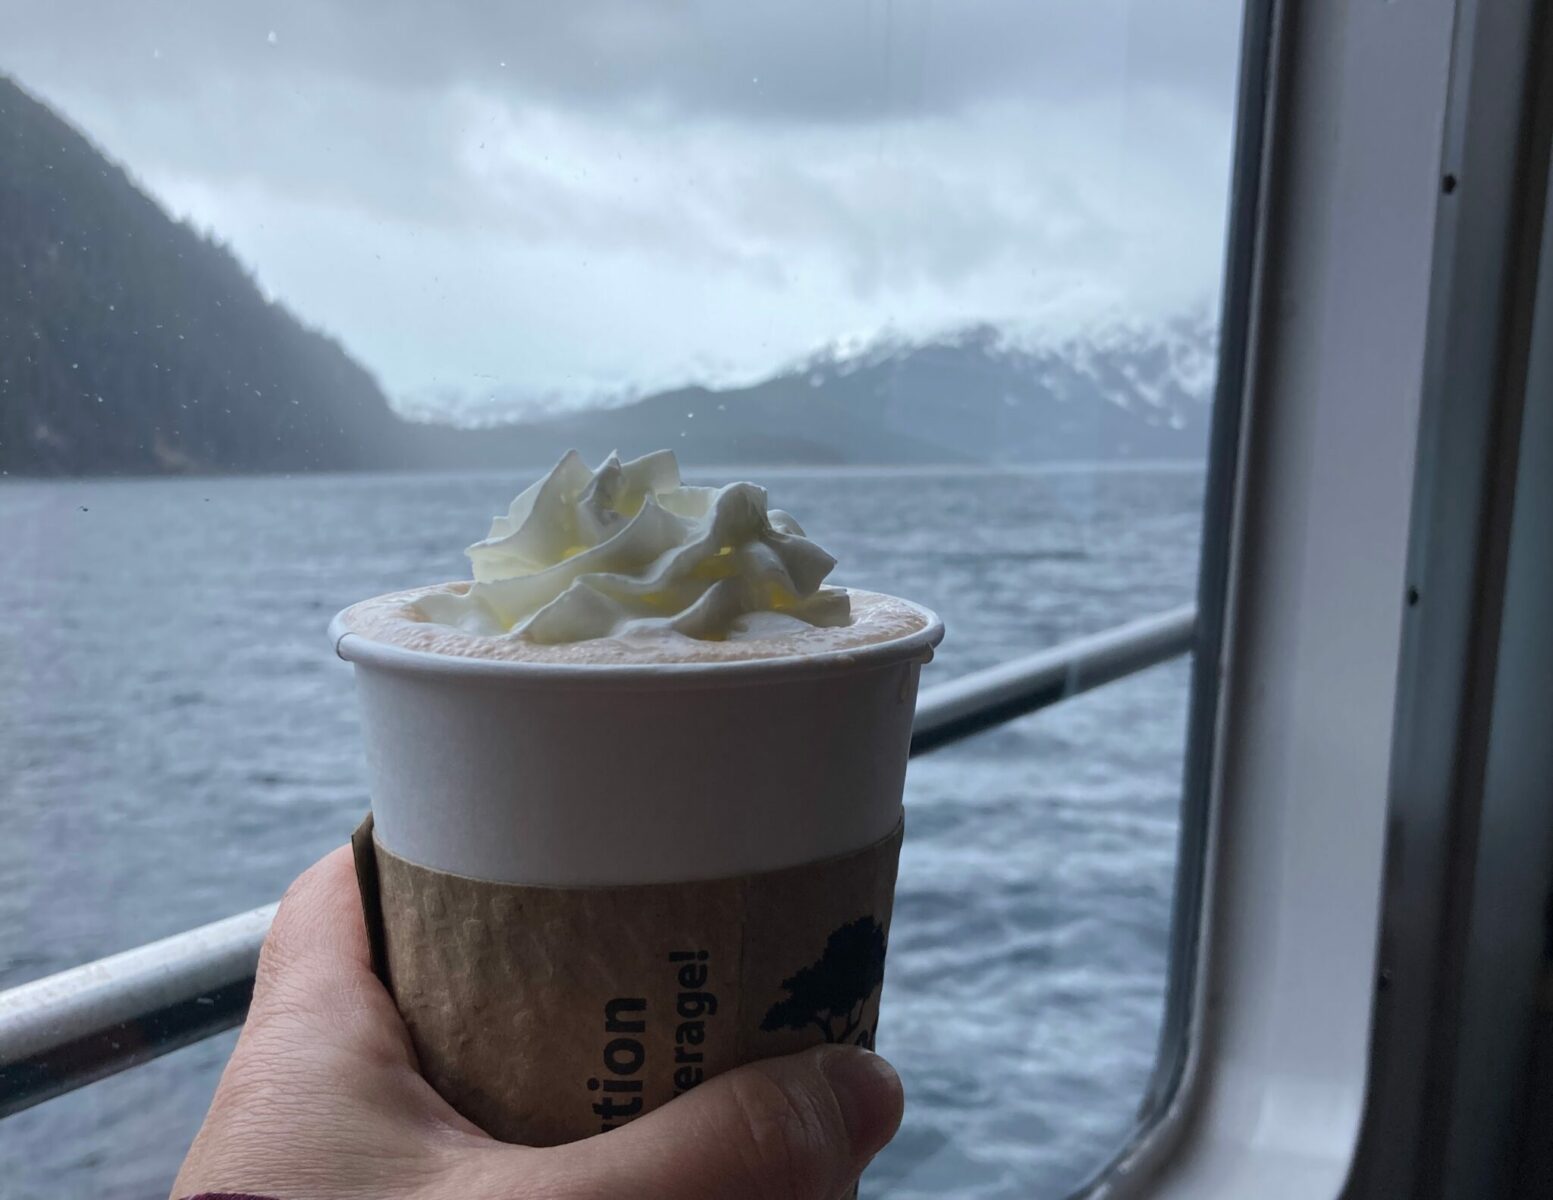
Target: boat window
x=295, y=301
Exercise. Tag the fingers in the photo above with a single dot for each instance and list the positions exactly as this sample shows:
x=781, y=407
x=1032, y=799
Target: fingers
x=315, y=969
x=321, y=1097
x=318, y=929
x=326, y=1050
x=795, y=1128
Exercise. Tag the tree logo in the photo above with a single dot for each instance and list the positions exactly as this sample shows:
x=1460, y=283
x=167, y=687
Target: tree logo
x=830, y=994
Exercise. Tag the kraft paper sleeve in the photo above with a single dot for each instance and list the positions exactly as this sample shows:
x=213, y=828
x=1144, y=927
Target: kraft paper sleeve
x=547, y=1014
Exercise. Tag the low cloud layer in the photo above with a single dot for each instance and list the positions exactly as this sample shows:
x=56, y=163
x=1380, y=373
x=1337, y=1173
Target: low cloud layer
x=550, y=202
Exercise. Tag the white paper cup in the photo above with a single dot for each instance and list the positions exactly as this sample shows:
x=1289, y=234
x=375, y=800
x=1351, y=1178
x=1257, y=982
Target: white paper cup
x=610, y=774
x=591, y=887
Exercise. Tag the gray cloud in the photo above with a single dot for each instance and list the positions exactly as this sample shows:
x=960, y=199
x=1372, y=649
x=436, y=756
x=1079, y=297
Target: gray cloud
x=797, y=61
x=577, y=197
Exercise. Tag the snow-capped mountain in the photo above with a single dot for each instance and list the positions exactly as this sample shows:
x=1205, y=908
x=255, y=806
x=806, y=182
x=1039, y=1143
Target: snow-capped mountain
x=976, y=395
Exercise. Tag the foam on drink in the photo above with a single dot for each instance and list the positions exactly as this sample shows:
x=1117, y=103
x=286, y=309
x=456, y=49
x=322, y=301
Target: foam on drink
x=625, y=564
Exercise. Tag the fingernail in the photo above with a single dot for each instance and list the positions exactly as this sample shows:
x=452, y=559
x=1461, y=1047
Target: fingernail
x=869, y=1094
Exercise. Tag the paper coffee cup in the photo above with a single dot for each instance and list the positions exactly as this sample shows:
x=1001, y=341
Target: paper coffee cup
x=591, y=887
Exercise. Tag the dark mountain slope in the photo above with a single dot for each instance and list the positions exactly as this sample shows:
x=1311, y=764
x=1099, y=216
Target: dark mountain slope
x=130, y=343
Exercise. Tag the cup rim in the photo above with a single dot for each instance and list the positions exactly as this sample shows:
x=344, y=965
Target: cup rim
x=372, y=653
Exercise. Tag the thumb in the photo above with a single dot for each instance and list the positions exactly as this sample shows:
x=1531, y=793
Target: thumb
x=795, y=1128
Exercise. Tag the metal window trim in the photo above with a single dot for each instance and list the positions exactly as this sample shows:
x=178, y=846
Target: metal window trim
x=1274, y=1094
x=1501, y=1102
x=1488, y=254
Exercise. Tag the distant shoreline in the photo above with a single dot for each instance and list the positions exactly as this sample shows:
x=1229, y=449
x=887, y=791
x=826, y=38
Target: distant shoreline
x=693, y=472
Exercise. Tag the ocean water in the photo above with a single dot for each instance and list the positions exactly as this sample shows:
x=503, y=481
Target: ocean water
x=177, y=742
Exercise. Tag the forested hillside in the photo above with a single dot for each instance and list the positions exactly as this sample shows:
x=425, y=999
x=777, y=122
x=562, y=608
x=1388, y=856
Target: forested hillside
x=131, y=343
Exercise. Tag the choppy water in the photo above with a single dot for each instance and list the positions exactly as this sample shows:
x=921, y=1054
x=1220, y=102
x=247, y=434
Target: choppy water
x=177, y=742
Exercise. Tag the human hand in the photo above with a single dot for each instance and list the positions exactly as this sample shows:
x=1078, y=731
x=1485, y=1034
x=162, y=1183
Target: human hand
x=322, y=1101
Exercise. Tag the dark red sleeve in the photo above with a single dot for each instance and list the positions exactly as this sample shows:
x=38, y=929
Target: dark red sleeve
x=226, y=1196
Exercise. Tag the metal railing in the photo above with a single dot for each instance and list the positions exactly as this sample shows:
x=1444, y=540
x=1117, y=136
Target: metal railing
x=70, y=1029
x=982, y=699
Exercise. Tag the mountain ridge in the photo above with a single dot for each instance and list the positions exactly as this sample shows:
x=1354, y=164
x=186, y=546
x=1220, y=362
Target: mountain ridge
x=130, y=343
x=973, y=395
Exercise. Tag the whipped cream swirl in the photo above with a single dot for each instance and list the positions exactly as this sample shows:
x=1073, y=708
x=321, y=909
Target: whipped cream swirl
x=628, y=550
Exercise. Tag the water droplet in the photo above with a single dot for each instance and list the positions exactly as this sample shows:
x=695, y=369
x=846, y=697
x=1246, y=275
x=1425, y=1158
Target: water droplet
x=271, y=38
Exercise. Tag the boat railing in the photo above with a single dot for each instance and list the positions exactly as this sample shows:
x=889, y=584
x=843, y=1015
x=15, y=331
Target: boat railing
x=67, y=1030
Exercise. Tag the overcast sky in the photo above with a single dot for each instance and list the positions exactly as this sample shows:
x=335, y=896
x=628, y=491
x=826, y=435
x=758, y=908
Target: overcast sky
x=543, y=202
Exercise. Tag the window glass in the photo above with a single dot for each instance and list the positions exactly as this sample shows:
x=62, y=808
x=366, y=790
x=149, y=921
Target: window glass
x=296, y=298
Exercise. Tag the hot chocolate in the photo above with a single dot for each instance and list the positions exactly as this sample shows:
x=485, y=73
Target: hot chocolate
x=626, y=564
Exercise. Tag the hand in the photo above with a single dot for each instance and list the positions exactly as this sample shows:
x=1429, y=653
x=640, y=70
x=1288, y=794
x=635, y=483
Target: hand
x=322, y=1101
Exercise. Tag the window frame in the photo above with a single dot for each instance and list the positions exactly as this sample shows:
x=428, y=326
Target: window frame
x=1376, y=288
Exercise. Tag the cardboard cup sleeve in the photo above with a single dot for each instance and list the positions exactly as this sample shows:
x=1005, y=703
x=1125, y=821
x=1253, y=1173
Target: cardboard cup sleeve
x=548, y=1014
